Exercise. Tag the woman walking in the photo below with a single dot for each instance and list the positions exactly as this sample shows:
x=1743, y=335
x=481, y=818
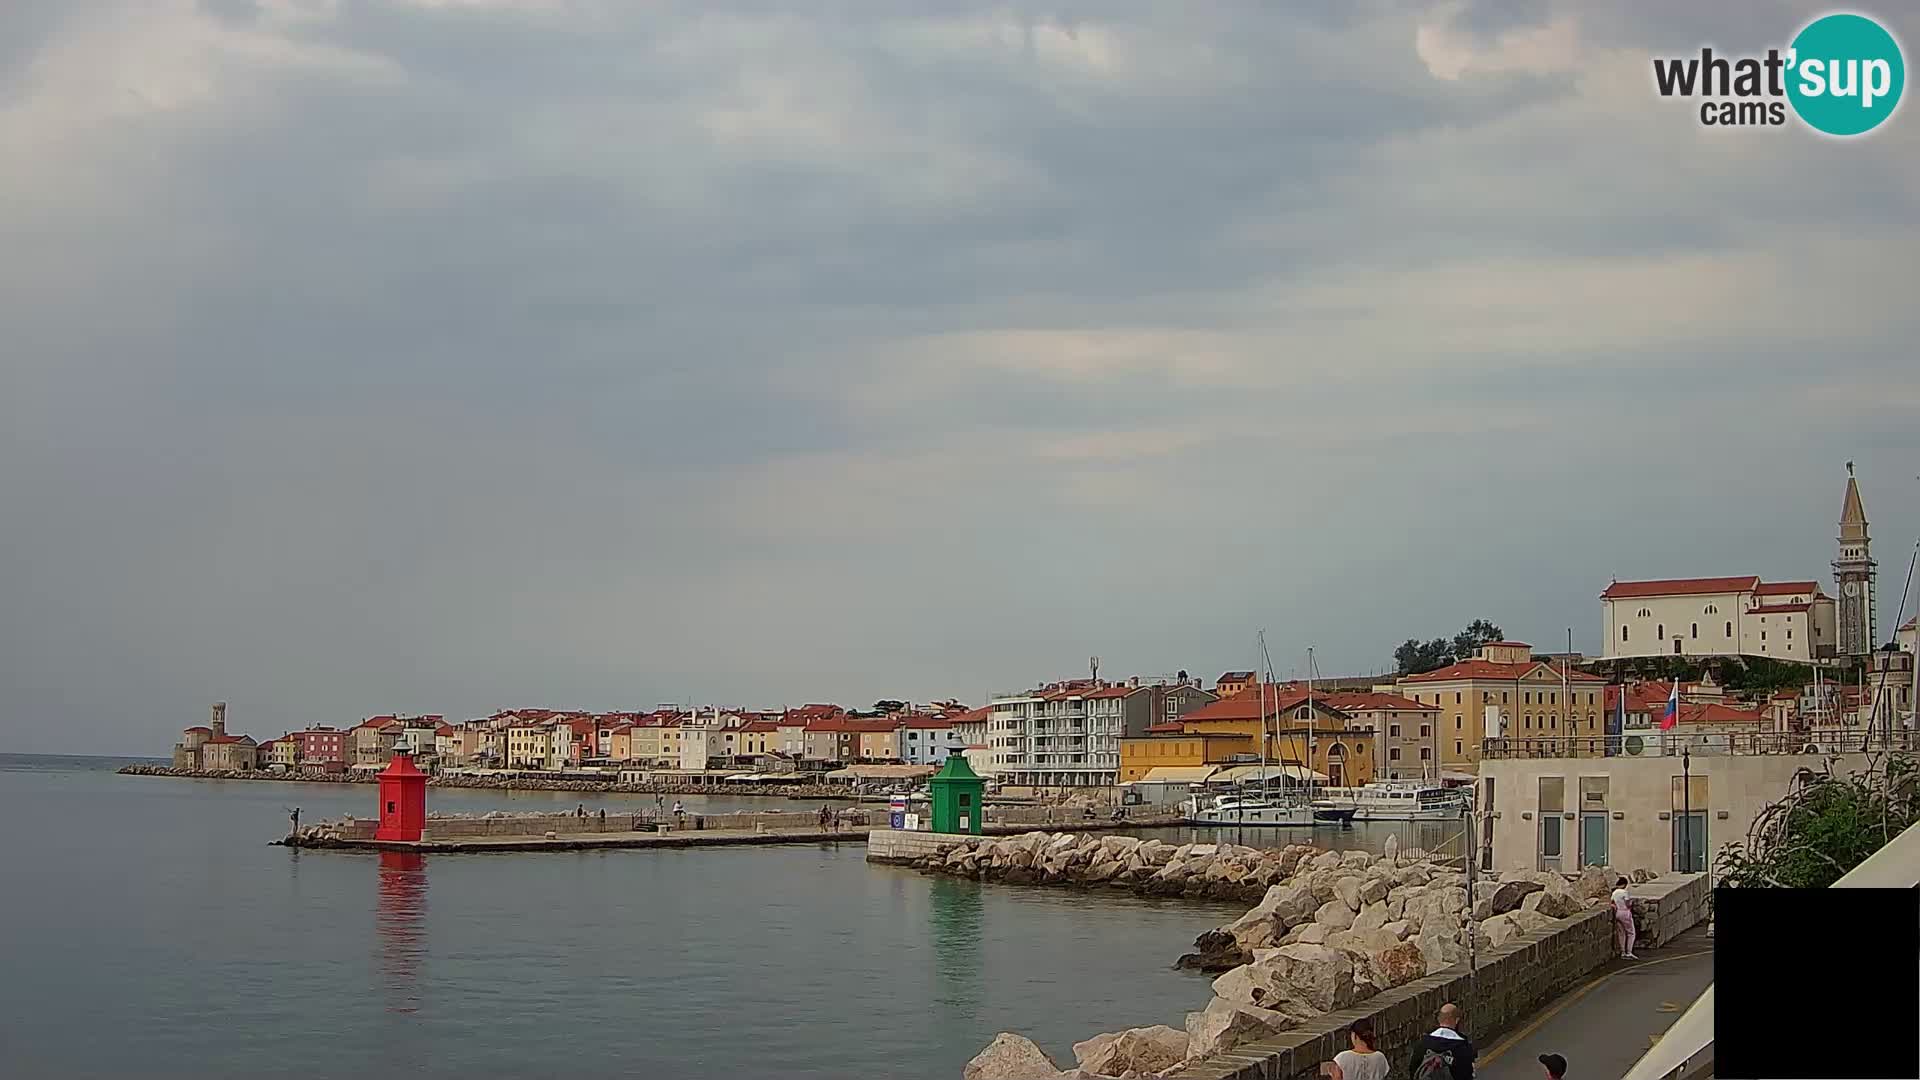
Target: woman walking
x=1623, y=928
x=1363, y=1062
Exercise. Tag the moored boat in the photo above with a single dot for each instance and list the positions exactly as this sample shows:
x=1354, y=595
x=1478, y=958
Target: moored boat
x=1250, y=808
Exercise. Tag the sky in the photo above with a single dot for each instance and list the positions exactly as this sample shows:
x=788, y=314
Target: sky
x=449, y=355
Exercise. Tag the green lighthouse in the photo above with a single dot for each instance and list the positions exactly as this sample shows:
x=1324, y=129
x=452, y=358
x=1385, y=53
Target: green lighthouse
x=957, y=793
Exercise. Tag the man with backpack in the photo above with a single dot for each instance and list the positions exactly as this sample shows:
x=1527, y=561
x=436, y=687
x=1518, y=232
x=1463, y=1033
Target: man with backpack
x=1444, y=1054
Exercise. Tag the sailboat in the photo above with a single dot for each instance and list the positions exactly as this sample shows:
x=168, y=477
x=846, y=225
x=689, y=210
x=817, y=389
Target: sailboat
x=1261, y=806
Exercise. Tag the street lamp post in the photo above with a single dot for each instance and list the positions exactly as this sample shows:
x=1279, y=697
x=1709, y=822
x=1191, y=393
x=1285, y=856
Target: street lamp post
x=1686, y=811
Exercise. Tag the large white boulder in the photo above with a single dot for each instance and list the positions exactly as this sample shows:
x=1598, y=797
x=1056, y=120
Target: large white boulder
x=1224, y=1024
x=1318, y=975
x=1335, y=914
x=1138, y=1050
x=1011, y=1057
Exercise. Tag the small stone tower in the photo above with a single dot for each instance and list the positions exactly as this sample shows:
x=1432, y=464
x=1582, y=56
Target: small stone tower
x=1854, y=572
x=219, y=724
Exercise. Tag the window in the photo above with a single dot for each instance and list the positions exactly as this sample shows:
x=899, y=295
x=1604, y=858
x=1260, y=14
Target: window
x=1456, y=748
x=1553, y=798
x=1527, y=697
x=1393, y=754
x=1426, y=753
x=1527, y=722
x=1623, y=633
x=1763, y=635
x=1305, y=713
x=1553, y=698
x=1729, y=629
x=1660, y=630
x=1456, y=697
x=1426, y=730
x=1711, y=609
x=1646, y=613
x=1789, y=633
x=1456, y=723
x=1696, y=629
x=1393, y=730
x=1503, y=697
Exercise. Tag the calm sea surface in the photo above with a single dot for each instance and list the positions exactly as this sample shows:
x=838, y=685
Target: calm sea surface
x=149, y=929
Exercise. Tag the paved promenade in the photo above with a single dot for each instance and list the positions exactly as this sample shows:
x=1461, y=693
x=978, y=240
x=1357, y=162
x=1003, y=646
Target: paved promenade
x=1603, y=1026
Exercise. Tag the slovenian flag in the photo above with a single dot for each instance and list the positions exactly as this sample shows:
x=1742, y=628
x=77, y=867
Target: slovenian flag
x=1672, y=715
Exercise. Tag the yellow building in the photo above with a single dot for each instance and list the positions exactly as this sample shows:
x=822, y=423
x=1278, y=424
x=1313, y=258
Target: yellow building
x=529, y=745
x=1504, y=691
x=1175, y=748
x=759, y=738
x=281, y=751
x=1280, y=716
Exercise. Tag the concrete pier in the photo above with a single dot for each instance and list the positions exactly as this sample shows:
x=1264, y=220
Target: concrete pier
x=442, y=838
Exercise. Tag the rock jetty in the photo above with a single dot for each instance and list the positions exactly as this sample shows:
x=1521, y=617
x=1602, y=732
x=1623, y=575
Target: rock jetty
x=1329, y=930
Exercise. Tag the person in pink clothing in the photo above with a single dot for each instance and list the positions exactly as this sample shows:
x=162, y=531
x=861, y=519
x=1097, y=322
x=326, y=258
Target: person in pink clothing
x=1623, y=929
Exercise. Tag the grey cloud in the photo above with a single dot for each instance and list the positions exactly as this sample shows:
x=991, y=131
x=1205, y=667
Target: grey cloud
x=454, y=358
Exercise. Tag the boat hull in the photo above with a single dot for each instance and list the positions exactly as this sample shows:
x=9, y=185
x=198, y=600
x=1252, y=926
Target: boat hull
x=1277, y=817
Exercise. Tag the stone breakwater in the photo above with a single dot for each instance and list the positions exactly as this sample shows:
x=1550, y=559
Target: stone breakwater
x=1330, y=930
x=501, y=783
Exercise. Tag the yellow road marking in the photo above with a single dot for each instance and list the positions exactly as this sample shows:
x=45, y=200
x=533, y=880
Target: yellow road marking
x=1557, y=1007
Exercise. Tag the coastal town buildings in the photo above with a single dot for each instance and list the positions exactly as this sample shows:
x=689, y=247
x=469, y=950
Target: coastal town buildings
x=321, y=747
x=1232, y=682
x=373, y=740
x=1504, y=691
x=1295, y=725
x=1403, y=731
x=930, y=740
x=1067, y=734
x=210, y=748
x=283, y=752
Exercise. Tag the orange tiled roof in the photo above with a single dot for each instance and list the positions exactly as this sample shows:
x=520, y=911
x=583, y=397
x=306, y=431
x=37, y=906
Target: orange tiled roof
x=1680, y=587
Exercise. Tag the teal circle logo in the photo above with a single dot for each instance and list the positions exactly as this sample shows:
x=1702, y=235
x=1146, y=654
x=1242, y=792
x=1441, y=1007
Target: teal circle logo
x=1845, y=74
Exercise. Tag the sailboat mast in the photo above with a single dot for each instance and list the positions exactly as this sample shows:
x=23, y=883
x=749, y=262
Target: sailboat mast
x=1310, y=671
x=1266, y=676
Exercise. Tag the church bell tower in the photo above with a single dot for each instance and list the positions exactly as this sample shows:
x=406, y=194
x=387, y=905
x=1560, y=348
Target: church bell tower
x=1854, y=573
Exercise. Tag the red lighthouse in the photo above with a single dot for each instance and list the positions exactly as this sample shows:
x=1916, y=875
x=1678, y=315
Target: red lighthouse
x=403, y=801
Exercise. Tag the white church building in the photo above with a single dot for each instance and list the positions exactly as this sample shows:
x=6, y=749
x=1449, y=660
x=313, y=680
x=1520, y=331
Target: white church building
x=1745, y=616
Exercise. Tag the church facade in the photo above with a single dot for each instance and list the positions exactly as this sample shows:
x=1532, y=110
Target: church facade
x=1746, y=616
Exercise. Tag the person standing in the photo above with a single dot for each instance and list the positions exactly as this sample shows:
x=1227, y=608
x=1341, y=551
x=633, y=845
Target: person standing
x=1444, y=1054
x=1362, y=1062
x=1624, y=932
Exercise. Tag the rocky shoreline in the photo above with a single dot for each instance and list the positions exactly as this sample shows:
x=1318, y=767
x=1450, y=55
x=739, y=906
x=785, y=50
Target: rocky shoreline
x=500, y=783
x=1329, y=930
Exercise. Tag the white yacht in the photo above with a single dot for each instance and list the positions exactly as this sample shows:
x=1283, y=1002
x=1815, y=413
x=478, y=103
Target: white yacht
x=1250, y=808
x=1397, y=800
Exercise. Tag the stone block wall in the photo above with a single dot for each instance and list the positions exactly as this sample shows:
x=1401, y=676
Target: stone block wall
x=903, y=846
x=1668, y=906
x=1511, y=983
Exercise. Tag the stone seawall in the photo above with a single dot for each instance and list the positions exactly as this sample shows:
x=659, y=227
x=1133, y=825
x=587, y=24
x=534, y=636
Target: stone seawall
x=1512, y=981
x=1669, y=906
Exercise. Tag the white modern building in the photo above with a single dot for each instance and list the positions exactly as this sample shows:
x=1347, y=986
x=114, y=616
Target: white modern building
x=1068, y=734
x=1720, y=616
x=927, y=740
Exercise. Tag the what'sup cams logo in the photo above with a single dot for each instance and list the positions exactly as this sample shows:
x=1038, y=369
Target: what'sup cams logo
x=1842, y=75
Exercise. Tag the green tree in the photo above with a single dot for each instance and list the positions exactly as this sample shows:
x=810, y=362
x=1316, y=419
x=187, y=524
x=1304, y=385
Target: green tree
x=888, y=706
x=1414, y=656
x=1825, y=826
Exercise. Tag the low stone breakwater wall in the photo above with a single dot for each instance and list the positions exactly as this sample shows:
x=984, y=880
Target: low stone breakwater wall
x=852, y=822
x=501, y=783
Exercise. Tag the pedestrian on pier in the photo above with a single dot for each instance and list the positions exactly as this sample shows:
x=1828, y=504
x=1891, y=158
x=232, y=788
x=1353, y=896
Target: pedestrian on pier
x=1362, y=1062
x=1444, y=1054
x=1624, y=931
x=679, y=814
x=823, y=816
x=603, y=819
x=581, y=813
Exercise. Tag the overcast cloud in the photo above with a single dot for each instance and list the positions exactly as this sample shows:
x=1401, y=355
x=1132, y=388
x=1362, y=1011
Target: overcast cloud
x=445, y=355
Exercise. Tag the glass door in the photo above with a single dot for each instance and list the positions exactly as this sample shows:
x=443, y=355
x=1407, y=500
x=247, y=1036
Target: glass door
x=1593, y=839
